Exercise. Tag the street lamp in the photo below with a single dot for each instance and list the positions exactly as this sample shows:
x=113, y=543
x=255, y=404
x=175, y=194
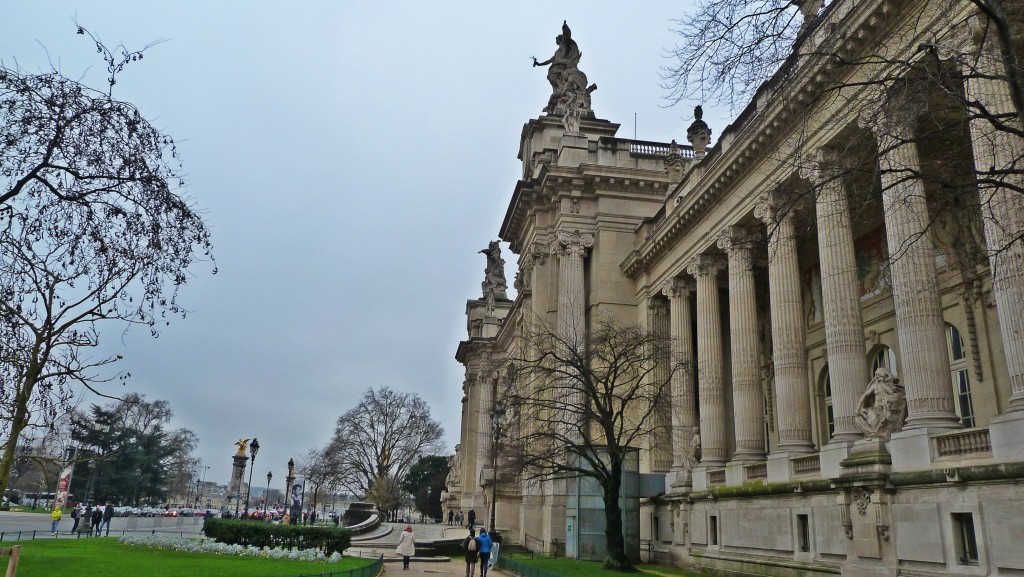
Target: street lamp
x=254, y=448
x=200, y=496
x=266, y=496
x=496, y=416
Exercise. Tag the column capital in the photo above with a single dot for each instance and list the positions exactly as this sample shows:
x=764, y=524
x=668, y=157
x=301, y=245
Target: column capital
x=736, y=237
x=705, y=265
x=678, y=287
x=572, y=243
x=896, y=115
x=823, y=165
x=773, y=206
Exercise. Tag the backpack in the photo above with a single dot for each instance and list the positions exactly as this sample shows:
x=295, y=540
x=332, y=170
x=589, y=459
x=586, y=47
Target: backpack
x=472, y=545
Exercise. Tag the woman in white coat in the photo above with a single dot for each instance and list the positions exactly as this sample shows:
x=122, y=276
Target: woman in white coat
x=406, y=546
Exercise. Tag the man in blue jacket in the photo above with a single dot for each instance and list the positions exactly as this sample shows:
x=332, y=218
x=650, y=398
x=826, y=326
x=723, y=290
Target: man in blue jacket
x=485, y=550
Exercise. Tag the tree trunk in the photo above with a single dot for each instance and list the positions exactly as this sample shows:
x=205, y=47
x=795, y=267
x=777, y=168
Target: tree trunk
x=613, y=522
x=18, y=423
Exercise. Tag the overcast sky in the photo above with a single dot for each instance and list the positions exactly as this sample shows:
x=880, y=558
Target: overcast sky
x=351, y=158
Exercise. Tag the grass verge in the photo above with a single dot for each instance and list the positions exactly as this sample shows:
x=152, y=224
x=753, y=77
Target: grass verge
x=575, y=568
x=105, y=557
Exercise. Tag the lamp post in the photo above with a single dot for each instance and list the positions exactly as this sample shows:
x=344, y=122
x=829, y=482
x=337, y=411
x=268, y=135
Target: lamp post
x=496, y=416
x=200, y=497
x=266, y=496
x=254, y=448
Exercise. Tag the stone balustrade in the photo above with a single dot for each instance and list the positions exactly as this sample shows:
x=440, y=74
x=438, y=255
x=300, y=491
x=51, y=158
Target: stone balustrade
x=755, y=471
x=716, y=477
x=806, y=465
x=967, y=443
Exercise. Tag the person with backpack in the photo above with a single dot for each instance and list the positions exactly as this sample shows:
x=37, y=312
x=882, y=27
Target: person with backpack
x=472, y=546
x=76, y=514
x=485, y=550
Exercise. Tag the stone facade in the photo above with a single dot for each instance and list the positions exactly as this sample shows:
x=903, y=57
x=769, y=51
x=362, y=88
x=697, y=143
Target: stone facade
x=803, y=255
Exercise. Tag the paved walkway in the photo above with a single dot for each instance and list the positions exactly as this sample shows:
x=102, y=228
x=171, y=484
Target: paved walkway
x=430, y=566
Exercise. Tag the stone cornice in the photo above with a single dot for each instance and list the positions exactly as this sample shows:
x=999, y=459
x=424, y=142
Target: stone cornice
x=768, y=119
x=590, y=180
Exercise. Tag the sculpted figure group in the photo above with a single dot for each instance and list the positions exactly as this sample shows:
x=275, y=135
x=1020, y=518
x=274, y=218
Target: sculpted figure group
x=570, y=93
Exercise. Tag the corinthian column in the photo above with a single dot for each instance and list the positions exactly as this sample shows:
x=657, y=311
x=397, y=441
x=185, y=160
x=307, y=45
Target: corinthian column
x=570, y=249
x=684, y=412
x=747, y=401
x=659, y=441
x=915, y=289
x=844, y=327
x=788, y=330
x=709, y=360
x=996, y=150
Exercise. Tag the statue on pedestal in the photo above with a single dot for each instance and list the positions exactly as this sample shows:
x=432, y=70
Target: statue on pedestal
x=494, y=284
x=569, y=91
x=243, y=445
x=882, y=409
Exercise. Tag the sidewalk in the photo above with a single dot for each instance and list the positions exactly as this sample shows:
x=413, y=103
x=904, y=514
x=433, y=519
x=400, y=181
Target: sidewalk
x=453, y=568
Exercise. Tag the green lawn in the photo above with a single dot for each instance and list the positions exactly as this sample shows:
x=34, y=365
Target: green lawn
x=574, y=568
x=106, y=557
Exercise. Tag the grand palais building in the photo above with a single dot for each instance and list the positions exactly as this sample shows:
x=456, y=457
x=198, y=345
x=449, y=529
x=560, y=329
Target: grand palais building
x=841, y=269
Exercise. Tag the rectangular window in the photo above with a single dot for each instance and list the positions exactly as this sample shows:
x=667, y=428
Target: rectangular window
x=713, y=529
x=965, y=408
x=803, y=530
x=964, y=540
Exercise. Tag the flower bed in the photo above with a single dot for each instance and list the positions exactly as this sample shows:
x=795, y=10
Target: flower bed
x=207, y=545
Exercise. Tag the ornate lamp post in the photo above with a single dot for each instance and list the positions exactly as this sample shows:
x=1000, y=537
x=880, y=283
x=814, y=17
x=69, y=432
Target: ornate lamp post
x=496, y=416
x=266, y=497
x=254, y=448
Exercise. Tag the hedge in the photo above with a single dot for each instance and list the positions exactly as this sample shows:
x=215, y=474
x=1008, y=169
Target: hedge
x=262, y=534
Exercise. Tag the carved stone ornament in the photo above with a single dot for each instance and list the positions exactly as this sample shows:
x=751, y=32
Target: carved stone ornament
x=882, y=409
x=736, y=237
x=674, y=158
x=861, y=498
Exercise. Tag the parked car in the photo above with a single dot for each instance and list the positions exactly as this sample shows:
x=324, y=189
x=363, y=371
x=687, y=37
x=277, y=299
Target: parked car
x=171, y=513
x=186, y=512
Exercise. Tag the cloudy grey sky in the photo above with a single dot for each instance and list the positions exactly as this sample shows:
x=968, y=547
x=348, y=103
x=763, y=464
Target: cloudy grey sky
x=351, y=158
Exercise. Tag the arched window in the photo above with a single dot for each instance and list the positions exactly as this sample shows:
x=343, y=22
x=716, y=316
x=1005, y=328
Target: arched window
x=827, y=412
x=882, y=356
x=961, y=376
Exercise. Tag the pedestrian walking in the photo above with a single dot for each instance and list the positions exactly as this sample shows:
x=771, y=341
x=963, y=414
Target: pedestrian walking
x=55, y=517
x=485, y=550
x=108, y=514
x=451, y=516
x=472, y=518
x=472, y=547
x=97, y=518
x=76, y=515
x=406, y=546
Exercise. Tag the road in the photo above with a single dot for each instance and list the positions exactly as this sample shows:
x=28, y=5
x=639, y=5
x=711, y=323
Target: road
x=21, y=525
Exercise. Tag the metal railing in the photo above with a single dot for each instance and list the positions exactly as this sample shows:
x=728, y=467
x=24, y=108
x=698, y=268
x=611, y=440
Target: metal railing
x=508, y=563
x=530, y=542
x=371, y=570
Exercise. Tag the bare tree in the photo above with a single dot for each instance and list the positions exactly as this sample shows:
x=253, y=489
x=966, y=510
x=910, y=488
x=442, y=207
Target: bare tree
x=580, y=403
x=93, y=228
x=322, y=470
x=383, y=436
